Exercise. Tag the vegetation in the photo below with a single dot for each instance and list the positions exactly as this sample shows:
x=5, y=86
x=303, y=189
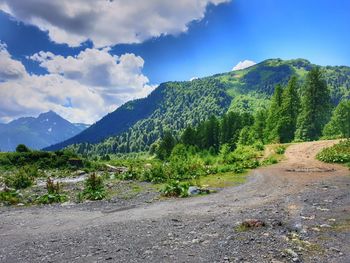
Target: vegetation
x=19, y=180
x=174, y=106
x=316, y=108
x=191, y=134
x=53, y=194
x=339, y=153
x=41, y=160
x=339, y=125
x=9, y=197
x=94, y=188
x=175, y=189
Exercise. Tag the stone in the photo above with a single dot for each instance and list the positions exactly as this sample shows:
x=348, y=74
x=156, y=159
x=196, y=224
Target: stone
x=193, y=190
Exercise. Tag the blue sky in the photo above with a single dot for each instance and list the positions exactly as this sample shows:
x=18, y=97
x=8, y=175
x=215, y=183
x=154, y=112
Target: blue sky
x=193, y=39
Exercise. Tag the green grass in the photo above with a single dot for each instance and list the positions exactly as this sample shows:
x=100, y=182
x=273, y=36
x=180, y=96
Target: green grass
x=221, y=180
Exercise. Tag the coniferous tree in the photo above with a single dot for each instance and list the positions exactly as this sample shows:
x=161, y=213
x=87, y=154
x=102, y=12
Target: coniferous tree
x=211, y=134
x=189, y=136
x=289, y=111
x=316, y=107
x=339, y=125
x=231, y=125
x=274, y=115
x=257, y=131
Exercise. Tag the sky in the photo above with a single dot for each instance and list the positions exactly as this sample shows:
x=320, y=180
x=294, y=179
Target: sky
x=84, y=58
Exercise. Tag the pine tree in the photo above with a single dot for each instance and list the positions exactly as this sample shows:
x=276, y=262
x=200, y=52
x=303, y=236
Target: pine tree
x=211, y=134
x=339, y=125
x=315, y=105
x=274, y=115
x=289, y=111
x=257, y=131
x=231, y=125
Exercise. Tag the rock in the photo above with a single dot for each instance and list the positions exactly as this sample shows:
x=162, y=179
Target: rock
x=325, y=226
x=293, y=254
x=193, y=190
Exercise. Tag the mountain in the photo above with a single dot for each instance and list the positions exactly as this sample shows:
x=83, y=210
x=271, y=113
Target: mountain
x=174, y=105
x=47, y=129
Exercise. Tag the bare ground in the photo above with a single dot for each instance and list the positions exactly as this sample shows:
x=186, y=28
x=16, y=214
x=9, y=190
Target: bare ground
x=304, y=203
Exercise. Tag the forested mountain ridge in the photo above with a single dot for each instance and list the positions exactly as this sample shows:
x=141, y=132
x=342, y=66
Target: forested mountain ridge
x=174, y=105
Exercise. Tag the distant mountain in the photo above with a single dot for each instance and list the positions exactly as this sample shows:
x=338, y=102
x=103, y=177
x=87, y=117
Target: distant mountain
x=174, y=105
x=47, y=129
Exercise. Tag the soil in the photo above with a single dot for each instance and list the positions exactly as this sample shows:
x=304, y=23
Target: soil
x=299, y=210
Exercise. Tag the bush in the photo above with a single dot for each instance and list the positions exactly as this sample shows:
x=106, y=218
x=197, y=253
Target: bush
x=259, y=146
x=280, y=149
x=21, y=179
x=243, y=153
x=130, y=174
x=270, y=160
x=9, y=197
x=94, y=188
x=21, y=148
x=175, y=189
x=53, y=194
x=339, y=153
x=155, y=174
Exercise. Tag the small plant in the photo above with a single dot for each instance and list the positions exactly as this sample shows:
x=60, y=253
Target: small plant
x=20, y=180
x=280, y=149
x=259, y=146
x=94, y=188
x=53, y=194
x=270, y=160
x=130, y=174
x=9, y=197
x=175, y=189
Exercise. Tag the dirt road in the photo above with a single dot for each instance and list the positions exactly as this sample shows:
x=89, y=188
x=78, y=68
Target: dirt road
x=304, y=203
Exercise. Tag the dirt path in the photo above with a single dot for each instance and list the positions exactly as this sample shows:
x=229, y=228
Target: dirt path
x=289, y=196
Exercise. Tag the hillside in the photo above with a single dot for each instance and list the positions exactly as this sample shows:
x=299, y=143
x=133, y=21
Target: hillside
x=173, y=105
x=37, y=133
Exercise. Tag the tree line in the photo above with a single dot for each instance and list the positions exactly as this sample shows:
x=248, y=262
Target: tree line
x=296, y=113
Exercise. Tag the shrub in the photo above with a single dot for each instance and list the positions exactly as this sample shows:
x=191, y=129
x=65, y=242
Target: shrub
x=94, y=188
x=19, y=180
x=155, y=174
x=270, y=160
x=175, y=188
x=9, y=197
x=53, y=194
x=21, y=148
x=130, y=174
x=339, y=153
x=280, y=149
x=259, y=146
x=243, y=153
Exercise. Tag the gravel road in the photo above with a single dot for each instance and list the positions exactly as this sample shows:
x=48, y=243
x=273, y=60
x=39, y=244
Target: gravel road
x=303, y=203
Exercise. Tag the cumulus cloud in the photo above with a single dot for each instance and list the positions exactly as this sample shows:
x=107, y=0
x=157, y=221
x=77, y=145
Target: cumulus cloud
x=81, y=88
x=107, y=22
x=9, y=68
x=243, y=64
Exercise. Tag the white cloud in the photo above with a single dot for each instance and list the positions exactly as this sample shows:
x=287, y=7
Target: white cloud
x=81, y=88
x=193, y=78
x=243, y=64
x=110, y=22
x=9, y=68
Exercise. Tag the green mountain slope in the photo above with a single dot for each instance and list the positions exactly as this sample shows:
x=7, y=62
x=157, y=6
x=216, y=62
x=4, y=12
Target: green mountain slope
x=173, y=105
